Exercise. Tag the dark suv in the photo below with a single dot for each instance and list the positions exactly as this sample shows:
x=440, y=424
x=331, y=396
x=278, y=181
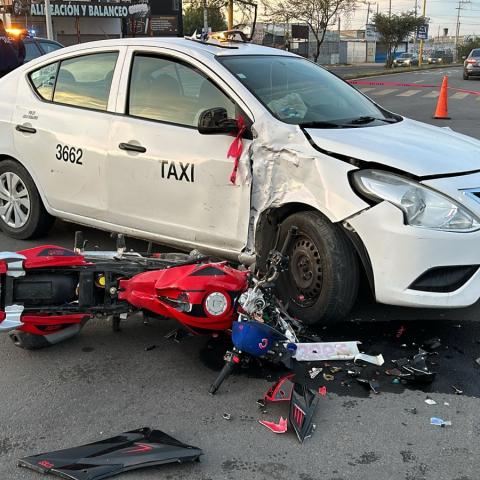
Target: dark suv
x=471, y=65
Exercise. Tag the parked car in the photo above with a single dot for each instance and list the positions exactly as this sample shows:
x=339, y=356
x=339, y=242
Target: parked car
x=440, y=57
x=471, y=65
x=132, y=135
x=406, y=60
x=36, y=47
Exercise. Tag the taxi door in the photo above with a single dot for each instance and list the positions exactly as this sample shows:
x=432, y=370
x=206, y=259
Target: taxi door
x=165, y=177
x=61, y=125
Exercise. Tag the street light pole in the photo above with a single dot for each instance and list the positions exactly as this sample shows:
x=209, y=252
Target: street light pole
x=205, y=17
x=420, y=50
x=48, y=20
x=457, y=31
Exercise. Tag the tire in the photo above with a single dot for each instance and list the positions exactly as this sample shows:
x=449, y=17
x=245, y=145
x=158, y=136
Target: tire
x=27, y=217
x=321, y=283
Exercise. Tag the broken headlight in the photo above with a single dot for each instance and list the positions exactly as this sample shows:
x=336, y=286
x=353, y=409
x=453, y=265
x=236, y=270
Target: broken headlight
x=421, y=206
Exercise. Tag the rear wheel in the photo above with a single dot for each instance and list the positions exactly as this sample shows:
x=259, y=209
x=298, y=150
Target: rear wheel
x=322, y=281
x=22, y=214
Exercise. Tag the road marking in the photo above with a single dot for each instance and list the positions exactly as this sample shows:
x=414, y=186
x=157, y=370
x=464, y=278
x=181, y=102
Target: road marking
x=387, y=91
x=432, y=94
x=459, y=96
x=365, y=90
x=408, y=93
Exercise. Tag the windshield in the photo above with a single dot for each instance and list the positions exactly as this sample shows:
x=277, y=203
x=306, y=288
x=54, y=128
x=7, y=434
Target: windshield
x=297, y=91
x=475, y=53
x=406, y=55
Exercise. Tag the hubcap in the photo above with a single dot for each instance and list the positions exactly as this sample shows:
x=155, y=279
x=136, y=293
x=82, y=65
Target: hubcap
x=306, y=270
x=14, y=200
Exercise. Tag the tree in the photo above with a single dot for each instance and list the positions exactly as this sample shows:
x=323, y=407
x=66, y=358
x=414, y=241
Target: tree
x=193, y=19
x=394, y=29
x=317, y=14
x=468, y=45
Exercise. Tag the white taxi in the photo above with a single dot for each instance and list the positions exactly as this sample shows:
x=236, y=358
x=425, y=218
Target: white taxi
x=224, y=145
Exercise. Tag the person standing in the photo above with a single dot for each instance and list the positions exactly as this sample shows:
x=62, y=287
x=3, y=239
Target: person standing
x=8, y=56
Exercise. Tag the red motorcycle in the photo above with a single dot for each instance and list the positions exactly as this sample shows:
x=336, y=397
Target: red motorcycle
x=49, y=292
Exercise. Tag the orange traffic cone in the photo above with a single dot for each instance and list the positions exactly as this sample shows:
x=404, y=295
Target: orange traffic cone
x=442, y=105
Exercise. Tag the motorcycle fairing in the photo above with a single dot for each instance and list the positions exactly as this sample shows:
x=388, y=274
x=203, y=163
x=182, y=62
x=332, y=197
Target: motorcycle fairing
x=282, y=390
x=128, y=451
x=302, y=408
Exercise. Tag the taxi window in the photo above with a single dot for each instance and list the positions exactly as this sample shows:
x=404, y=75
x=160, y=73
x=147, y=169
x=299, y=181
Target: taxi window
x=165, y=90
x=49, y=46
x=43, y=80
x=85, y=81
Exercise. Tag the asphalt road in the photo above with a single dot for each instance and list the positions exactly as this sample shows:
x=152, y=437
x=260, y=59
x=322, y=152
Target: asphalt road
x=102, y=383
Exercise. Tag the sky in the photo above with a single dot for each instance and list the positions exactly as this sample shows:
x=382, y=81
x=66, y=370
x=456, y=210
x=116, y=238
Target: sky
x=442, y=13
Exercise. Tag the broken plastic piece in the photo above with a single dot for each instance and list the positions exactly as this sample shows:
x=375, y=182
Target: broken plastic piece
x=313, y=372
x=439, y=422
x=322, y=391
x=429, y=401
x=302, y=408
x=326, y=351
x=375, y=360
x=227, y=416
x=280, y=427
x=415, y=369
x=281, y=391
x=372, y=384
x=128, y=451
x=457, y=390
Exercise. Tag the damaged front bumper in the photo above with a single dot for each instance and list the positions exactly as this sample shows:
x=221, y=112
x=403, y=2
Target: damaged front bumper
x=418, y=267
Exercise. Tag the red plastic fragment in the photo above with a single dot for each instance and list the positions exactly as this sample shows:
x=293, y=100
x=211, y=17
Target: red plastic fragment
x=322, y=391
x=280, y=427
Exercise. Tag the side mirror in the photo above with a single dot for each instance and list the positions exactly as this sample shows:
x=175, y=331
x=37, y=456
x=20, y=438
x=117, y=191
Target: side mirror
x=215, y=120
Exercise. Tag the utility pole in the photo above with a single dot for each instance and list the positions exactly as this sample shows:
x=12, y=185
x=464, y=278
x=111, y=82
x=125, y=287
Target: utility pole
x=420, y=51
x=457, y=32
x=415, y=36
x=390, y=9
x=205, y=17
x=48, y=20
x=230, y=14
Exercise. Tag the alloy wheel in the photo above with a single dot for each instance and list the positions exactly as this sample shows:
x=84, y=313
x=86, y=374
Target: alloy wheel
x=14, y=200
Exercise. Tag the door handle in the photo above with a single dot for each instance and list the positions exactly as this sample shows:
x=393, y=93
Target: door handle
x=130, y=147
x=25, y=129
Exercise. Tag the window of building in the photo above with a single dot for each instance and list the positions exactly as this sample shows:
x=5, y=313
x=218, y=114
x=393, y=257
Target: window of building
x=165, y=90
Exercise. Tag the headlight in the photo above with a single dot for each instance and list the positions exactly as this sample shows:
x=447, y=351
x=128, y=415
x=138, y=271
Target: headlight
x=421, y=206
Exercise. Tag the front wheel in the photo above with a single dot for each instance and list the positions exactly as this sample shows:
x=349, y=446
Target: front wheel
x=22, y=214
x=321, y=283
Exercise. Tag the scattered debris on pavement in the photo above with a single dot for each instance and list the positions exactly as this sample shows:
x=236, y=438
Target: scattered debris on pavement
x=439, y=422
x=280, y=427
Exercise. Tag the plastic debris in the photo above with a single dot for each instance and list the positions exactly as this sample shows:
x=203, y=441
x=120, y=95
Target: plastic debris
x=280, y=427
x=313, y=372
x=322, y=391
x=328, y=377
x=372, y=384
x=110, y=456
x=302, y=409
x=354, y=372
x=375, y=360
x=396, y=381
x=457, y=390
x=446, y=404
x=335, y=370
x=439, y=422
x=281, y=391
x=430, y=401
x=326, y=351
x=227, y=416
x=415, y=369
